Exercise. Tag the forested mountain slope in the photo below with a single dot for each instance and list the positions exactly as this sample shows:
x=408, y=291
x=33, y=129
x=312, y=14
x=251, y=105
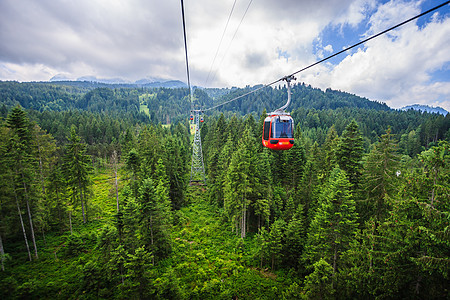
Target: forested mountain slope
x=95, y=202
x=314, y=110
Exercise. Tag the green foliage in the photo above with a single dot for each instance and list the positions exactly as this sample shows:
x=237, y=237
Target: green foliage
x=335, y=222
x=295, y=237
x=340, y=215
x=77, y=170
x=381, y=175
x=318, y=284
x=349, y=152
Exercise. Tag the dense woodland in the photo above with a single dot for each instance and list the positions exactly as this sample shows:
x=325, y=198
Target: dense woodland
x=95, y=200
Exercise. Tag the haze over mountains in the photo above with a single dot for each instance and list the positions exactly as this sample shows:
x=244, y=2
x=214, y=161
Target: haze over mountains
x=156, y=82
x=144, y=82
x=426, y=108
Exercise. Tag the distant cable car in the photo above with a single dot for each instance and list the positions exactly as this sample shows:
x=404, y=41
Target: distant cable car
x=201, y=119
x=278, y=130
x=191, y=117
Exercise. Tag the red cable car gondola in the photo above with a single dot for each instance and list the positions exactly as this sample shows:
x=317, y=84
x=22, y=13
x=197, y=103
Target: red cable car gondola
x=278, y=130
x=278, y=133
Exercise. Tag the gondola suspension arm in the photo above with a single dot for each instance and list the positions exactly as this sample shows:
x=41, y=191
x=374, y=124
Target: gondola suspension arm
x=282, y=109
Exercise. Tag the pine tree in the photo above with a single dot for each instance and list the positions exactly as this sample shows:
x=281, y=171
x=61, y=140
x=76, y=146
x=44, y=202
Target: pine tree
x=380, y=175
x=318, y=284
x=330, y=148
x=57, y=190
x=133, y=165
x=138, y=266
x=295, y=238
x=237, y=189
x=149, y=150
x=77, y=169
x=335, y=222
x=22, y=160
x=154, y=215
x=295, y=161
x=176, y=167
x=223, y=165
x=310, y=184
x=45, y=155
x=275, y=241
x=435, y=210
x=435, y=162
x=349, y=152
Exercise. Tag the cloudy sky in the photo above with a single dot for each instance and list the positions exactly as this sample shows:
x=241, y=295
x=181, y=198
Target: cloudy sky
x=264, y=40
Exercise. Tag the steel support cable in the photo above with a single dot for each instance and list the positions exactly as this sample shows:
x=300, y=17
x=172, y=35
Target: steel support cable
x=371, y=37
x=220, y=43
x=335, y=54
x=232, y=39
x=186, y=53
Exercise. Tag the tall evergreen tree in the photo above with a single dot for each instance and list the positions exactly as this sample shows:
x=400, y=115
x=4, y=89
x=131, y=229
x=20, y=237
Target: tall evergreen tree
x=330, y=148
x=237, y=189
x=349, y=152
x=154, y=215
x=223, y=165
x=295, y=238
x=23, y=162
x=295, y=161
x=380, y=175
x=77, y=169
x=57, y=192
x=275, y=241
x=318, y=284
x=335, y=222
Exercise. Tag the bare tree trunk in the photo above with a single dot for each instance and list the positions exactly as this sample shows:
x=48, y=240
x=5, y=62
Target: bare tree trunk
x=32, y=230
x=2, y=253
x=30, y=218
x=23, y=227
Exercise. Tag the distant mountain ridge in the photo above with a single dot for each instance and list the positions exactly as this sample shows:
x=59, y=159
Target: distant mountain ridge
x=426, y=108
x=118, y=82
x=97, y=84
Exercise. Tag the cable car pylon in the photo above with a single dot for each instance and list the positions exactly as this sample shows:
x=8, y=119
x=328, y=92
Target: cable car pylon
x=197, y=166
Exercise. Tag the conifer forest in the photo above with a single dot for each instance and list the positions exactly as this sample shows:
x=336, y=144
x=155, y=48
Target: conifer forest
x=95, y=201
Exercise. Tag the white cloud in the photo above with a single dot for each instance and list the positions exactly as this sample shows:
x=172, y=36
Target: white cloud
x=328, y=48
x=396, y=68
x=355, y=13
x=138, y=38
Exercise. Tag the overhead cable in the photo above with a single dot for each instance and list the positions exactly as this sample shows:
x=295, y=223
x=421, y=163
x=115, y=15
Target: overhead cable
x=220, y=43
x=335, y=54
x=232, y=39
x=186, y=52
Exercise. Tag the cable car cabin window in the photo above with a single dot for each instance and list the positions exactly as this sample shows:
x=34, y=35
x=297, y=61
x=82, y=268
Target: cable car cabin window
x=266, y=130
x=282, y=128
